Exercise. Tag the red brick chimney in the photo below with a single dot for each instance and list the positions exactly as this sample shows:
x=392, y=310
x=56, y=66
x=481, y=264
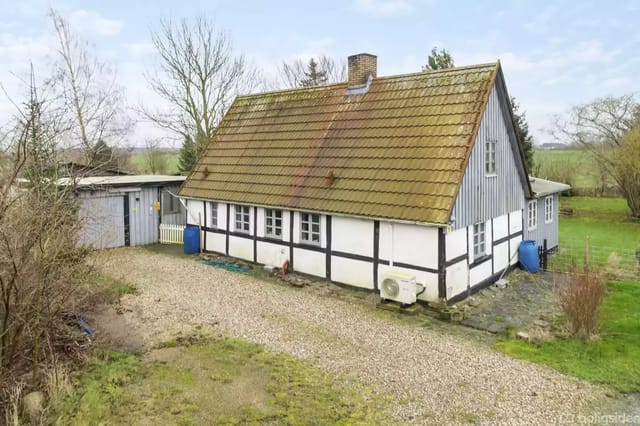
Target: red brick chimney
x=360, y=67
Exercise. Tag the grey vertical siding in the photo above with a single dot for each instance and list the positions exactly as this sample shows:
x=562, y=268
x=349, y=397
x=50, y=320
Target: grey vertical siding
x=143, y=217
x=179, y=218
x=482, y=197
x=102, y=217
x=548, y=231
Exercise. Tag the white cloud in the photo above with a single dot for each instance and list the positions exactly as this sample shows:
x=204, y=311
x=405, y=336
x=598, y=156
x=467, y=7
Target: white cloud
x=140, y=49
x=89, y=22
x=384, y=7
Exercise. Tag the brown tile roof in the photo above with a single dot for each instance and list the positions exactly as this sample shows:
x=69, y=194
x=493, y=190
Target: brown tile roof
x=399, y=151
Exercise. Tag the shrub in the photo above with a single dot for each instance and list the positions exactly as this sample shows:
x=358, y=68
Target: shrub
x=580, y=294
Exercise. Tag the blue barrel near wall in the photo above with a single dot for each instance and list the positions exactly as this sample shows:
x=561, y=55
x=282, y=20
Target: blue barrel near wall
x=191, y=238
x=529, y=258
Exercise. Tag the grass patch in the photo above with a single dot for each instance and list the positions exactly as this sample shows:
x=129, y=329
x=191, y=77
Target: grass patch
x=221, y=381
x=611, y=359
x=138, y=162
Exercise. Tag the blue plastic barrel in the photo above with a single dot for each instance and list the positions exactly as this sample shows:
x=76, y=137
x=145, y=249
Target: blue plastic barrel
x=191, y=238
x=529, y=258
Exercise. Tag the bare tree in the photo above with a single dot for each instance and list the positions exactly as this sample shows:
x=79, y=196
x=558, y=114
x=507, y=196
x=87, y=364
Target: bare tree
x=155, y=160
x=40, y=261
x=89, y=96
x=319, y=71
x=607, y=128
x=198, y=77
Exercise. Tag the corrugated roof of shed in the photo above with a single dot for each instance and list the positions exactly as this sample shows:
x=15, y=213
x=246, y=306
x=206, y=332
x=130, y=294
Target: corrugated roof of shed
x=399, y=151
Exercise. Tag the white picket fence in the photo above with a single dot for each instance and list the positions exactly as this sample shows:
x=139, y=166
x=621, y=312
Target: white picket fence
x=171, y=234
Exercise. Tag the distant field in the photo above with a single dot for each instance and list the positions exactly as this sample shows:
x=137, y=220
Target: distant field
x=137, y=162
x=574, y=167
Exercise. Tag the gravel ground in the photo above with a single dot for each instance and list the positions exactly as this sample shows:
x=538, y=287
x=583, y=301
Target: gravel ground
x=438, y=377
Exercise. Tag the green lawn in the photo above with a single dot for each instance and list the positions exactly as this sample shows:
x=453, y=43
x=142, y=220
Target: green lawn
x=215, y=381
x=137, y=163
x=613, y=358
x=576, y=167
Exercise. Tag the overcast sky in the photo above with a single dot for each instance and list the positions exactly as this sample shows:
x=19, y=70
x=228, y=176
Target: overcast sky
x=554, y=54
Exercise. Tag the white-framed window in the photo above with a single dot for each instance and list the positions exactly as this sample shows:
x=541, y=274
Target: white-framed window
x=242, y=218
x=479, y=240
x=490, y=156
x=548, y=209
x=273, y=223
x=310, y=228
x=213, y=215
x=532, y=214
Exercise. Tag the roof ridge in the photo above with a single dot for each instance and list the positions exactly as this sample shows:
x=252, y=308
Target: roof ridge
x=386, y=77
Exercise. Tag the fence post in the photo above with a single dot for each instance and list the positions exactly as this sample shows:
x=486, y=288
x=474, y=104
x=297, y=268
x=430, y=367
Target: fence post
x=545, y=253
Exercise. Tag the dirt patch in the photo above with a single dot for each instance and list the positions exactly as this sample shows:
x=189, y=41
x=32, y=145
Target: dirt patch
x=118, y=327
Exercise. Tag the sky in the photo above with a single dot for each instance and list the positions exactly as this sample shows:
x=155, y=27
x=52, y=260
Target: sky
x=555, y=54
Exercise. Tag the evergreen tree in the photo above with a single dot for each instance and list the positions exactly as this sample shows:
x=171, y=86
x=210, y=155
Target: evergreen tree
x=314, y=75
x=522, y=127
x=188, y=155
x=438, y=60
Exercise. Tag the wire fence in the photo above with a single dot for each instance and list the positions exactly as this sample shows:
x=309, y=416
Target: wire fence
x=617, y=262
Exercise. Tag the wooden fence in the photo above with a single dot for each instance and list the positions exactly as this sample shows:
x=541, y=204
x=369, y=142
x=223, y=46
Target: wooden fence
x=171, y=234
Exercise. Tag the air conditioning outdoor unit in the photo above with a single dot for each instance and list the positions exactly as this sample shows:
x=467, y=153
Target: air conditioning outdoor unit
x=399, y=287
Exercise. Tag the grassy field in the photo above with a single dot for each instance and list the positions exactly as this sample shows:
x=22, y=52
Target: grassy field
x=137, y=163
x=215, y=381
x=613, y=357
x=574, y=167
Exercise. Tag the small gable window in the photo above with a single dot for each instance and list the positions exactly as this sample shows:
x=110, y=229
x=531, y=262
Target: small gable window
x=242, y=218
x=532, y=214
x=490, y=156
x=310, y=228
x=548, y=209
x=273, y=223
x=479, y=240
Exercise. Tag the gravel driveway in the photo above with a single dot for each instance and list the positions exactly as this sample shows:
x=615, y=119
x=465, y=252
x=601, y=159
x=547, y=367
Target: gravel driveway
x=439, y=378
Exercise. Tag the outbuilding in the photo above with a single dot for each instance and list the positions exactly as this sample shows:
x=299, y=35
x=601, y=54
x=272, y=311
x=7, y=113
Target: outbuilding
x=126, y=210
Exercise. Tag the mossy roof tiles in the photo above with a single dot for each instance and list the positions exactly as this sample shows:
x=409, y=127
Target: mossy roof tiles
x=399, y=151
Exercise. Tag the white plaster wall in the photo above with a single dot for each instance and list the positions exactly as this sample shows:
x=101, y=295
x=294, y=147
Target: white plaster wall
x=216, y=242
x=241, y=248
x=352, y=236
x=412, y=244
x=309, y=262
x=500, y=227
x=457, y=279
x=515, y=244
x=272, y=254
x=353, y=272
x=195, y=208
x=500, y=257
x=515, y=221
x=296, y=230
x=222, y=216
x=428, y=279
x=456, y=243
x=480, y=272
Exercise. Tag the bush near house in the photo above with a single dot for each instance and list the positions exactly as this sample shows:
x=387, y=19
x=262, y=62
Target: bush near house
x=612, y=357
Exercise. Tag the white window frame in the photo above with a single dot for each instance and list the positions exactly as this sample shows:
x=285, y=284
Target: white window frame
x=307, y=233
x=479, y=240
x=532, y=215
x=490, y=146
x=242, y=218
x=273, y=223
x=548, y=209
x=213, y=215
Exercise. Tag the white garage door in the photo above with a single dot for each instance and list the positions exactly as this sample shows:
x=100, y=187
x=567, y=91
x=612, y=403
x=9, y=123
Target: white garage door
x=102, y=216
